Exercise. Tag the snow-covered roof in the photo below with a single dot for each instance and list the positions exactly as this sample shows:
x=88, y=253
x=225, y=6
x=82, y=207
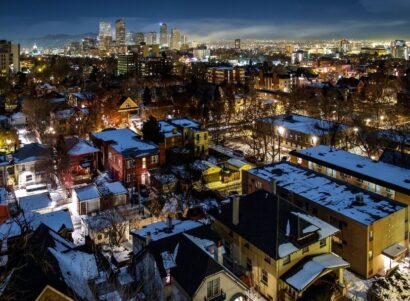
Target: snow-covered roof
x=302, y=124
x=77, y=268
x=125, y=140
x=184, y=122
x=81, y=148
x=114, y=188
x=307, y=271
x=160, y=230
x=35, y=202
x=236, y=163
x=88, y=192
x=203, y=165
x=55, y=220
x=330, y=193
x=371, y=170
x=168, y=129
x=31, y=152
x=63, y=114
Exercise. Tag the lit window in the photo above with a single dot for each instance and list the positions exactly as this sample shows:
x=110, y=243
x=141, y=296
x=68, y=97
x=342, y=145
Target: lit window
x=154, y=159
x=370, y=255
x=265, y=277
x=144, y=162
x=213, y=288
x=370, y=235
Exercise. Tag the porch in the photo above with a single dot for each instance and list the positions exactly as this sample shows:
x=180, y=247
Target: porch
x=314, y=278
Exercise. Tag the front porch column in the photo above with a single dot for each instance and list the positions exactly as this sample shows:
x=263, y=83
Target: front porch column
x=340, y=280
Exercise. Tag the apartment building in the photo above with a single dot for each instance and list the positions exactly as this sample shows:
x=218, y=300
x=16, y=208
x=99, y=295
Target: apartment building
x=373, y=229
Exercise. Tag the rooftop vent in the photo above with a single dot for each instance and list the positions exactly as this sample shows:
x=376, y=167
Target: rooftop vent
x=359, y=200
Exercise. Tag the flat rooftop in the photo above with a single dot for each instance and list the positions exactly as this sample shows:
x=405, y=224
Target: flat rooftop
x=373, y=171
x=329, y=193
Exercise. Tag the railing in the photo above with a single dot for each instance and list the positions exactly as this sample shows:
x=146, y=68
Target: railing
x=220, y=296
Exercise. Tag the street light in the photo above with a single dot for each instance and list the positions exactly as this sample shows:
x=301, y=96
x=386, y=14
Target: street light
x=281, y=131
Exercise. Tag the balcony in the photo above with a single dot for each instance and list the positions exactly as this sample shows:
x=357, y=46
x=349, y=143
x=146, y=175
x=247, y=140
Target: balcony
x=221, y=296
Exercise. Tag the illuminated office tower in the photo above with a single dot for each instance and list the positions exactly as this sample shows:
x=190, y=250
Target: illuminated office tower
x=151, y=38
x=163, y=35
x=175, y=39
x=120, y=32
x=138, y=38
x=105, y=36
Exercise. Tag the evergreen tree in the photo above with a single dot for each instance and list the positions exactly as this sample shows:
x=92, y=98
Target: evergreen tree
x=151, y=131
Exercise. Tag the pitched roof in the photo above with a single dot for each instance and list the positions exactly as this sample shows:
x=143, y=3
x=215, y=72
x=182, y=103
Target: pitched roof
x=275, y=226
x=88, y=192
x=190, y=263
x=126, y=142
x=32, y=152
x=41, y=264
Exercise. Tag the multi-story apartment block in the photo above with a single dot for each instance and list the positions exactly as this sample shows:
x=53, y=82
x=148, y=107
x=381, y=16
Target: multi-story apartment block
x=373, y=229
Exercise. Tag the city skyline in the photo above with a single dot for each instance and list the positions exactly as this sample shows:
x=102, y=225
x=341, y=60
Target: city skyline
x=212, y=21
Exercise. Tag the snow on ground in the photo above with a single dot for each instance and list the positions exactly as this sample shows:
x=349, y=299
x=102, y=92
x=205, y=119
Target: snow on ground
x=356, y=287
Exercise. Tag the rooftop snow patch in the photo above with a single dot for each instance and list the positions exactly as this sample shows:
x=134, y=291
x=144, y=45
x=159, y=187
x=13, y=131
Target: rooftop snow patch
x=342, y=160
x=82, y=147
x=88, y=192
x=330, y=193
x=125, y=140
x=160, y=230
x=306, y=272
x=303, y=124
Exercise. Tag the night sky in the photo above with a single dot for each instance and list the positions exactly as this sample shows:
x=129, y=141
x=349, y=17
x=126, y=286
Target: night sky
x=289, y=19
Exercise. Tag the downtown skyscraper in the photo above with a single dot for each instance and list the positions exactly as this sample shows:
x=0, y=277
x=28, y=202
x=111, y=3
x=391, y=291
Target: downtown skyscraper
x=175, y=39
x=105, y=36
x=120, y=33
x=163, y=35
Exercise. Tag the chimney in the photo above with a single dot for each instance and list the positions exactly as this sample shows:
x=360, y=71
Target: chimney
x=235, y=210
x=218, y=252
x=169, y=223
x=148, y=238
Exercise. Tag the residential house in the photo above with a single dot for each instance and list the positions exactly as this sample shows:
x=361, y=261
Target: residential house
x=298, y=131
x=81, y=158
x=182, y=260
x=371, y=226
x=50, y=262
x=81, y=99
x=86, y=199
x=172, y=135
x=129, y=110
x=92, y=198
x=32, y=165
x=382, y=178
x=194, y=136
x=40, y=203
x=278, y=249
x=59, y=221
x=70, y=121
x=126, y=156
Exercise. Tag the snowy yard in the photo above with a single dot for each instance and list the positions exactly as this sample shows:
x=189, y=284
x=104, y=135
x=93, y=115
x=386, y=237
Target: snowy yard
x=394, y=288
